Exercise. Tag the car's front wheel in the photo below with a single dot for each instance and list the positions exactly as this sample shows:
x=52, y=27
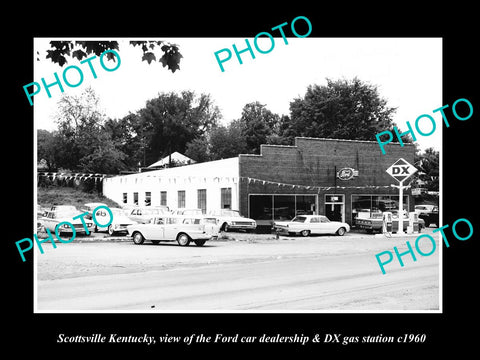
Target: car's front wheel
x=224, y=227
x=305, y=233
x=138, y=238
x=183, y=239
x=341, y=231
x=111, y=232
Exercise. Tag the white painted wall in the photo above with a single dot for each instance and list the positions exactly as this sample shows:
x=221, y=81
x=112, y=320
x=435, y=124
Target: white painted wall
x=211, y=176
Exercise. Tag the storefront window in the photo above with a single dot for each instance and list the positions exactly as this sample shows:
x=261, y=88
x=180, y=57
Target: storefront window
x=261, y=207
x=305, y=204
x=148, y=198
x=283, y=207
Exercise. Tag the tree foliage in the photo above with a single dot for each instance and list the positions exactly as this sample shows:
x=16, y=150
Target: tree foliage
x=257, y=124
x=428, y=168
x=60, y=51
x=167, y=123
x=86, y=140
x=341, y=109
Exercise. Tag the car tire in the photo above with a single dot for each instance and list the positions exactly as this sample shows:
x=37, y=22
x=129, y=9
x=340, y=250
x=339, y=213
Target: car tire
x=137, y=238
x=199, y=242
x=305, y=233
x=183, y=239
x=341, y=231
x=224, y=227
x=111, y=232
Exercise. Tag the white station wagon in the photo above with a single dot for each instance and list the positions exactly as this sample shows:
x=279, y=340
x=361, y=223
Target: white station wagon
x=182, y=229
x=311, y=224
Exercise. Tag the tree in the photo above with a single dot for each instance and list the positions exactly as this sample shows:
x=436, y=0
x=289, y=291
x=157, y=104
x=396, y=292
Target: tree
x=342, y=109
x=428, y=168
x=61, y=50
x=167, y=123
x=47, y=148
x=81, y=140
x=228, y=141
x=199, y=149
x=220, y=142
x=258, y=124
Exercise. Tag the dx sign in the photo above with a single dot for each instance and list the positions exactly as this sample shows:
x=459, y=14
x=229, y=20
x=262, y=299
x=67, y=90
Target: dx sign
x=401, y=170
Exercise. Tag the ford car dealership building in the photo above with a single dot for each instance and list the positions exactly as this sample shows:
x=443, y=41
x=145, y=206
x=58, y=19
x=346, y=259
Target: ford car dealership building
x=332, y=177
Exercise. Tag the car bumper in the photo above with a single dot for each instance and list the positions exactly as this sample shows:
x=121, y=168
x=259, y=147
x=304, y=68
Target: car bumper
x=241, y=227
x=368, y=226
x=77, y=231
x=120, y=228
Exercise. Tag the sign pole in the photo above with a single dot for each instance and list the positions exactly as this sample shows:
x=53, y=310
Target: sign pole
x=400, y=209
x=400, y=171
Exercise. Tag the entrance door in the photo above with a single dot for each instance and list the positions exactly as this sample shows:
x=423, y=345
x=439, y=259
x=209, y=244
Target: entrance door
x=334, y=207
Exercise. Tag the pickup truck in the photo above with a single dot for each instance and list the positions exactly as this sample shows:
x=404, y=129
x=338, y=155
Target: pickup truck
x=374, y=222
x=430, y=217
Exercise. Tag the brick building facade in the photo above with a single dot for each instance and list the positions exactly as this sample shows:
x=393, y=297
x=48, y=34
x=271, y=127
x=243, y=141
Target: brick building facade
x=310, y=168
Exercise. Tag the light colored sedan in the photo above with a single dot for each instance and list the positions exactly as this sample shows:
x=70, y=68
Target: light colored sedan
x=182, y=229
x=232, y=220
x=118, y=224
x=53, y=218
x=311, y=224
x=144, y=214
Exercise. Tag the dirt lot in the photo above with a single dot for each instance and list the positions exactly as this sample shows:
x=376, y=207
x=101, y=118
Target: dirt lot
x=253, y=272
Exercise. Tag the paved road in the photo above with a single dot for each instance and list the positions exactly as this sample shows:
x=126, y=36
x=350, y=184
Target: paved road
x=260, y=274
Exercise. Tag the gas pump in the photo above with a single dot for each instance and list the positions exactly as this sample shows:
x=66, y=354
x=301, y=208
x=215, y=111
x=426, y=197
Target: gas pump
x=387, y=222
x=413, y=222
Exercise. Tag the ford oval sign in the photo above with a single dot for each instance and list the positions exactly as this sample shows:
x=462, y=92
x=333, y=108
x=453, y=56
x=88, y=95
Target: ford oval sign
x=345, y=174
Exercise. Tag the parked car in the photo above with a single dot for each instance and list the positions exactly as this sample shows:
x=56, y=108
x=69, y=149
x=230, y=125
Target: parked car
x=89, y=207
x=430, y=217
x=232, y=220
x=41, y=212
x=144, y=214
x=311, y=224
x=419, y=209
x=182, y=229
x=64, y=208
x=119, y=222
x=183, y=211
x=52, y=218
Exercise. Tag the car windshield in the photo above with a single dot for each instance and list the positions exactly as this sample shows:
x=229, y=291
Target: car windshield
x=230, y=213
x=65, y=213
x=192, y=212
x=299, y=219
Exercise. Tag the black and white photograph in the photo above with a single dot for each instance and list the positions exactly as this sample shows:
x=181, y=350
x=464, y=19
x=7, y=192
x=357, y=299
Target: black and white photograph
x=291, y=181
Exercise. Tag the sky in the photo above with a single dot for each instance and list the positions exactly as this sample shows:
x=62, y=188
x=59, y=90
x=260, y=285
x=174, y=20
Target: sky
x=406, y=71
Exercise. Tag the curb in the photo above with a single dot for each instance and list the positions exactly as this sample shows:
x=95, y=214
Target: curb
x=397, y=236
